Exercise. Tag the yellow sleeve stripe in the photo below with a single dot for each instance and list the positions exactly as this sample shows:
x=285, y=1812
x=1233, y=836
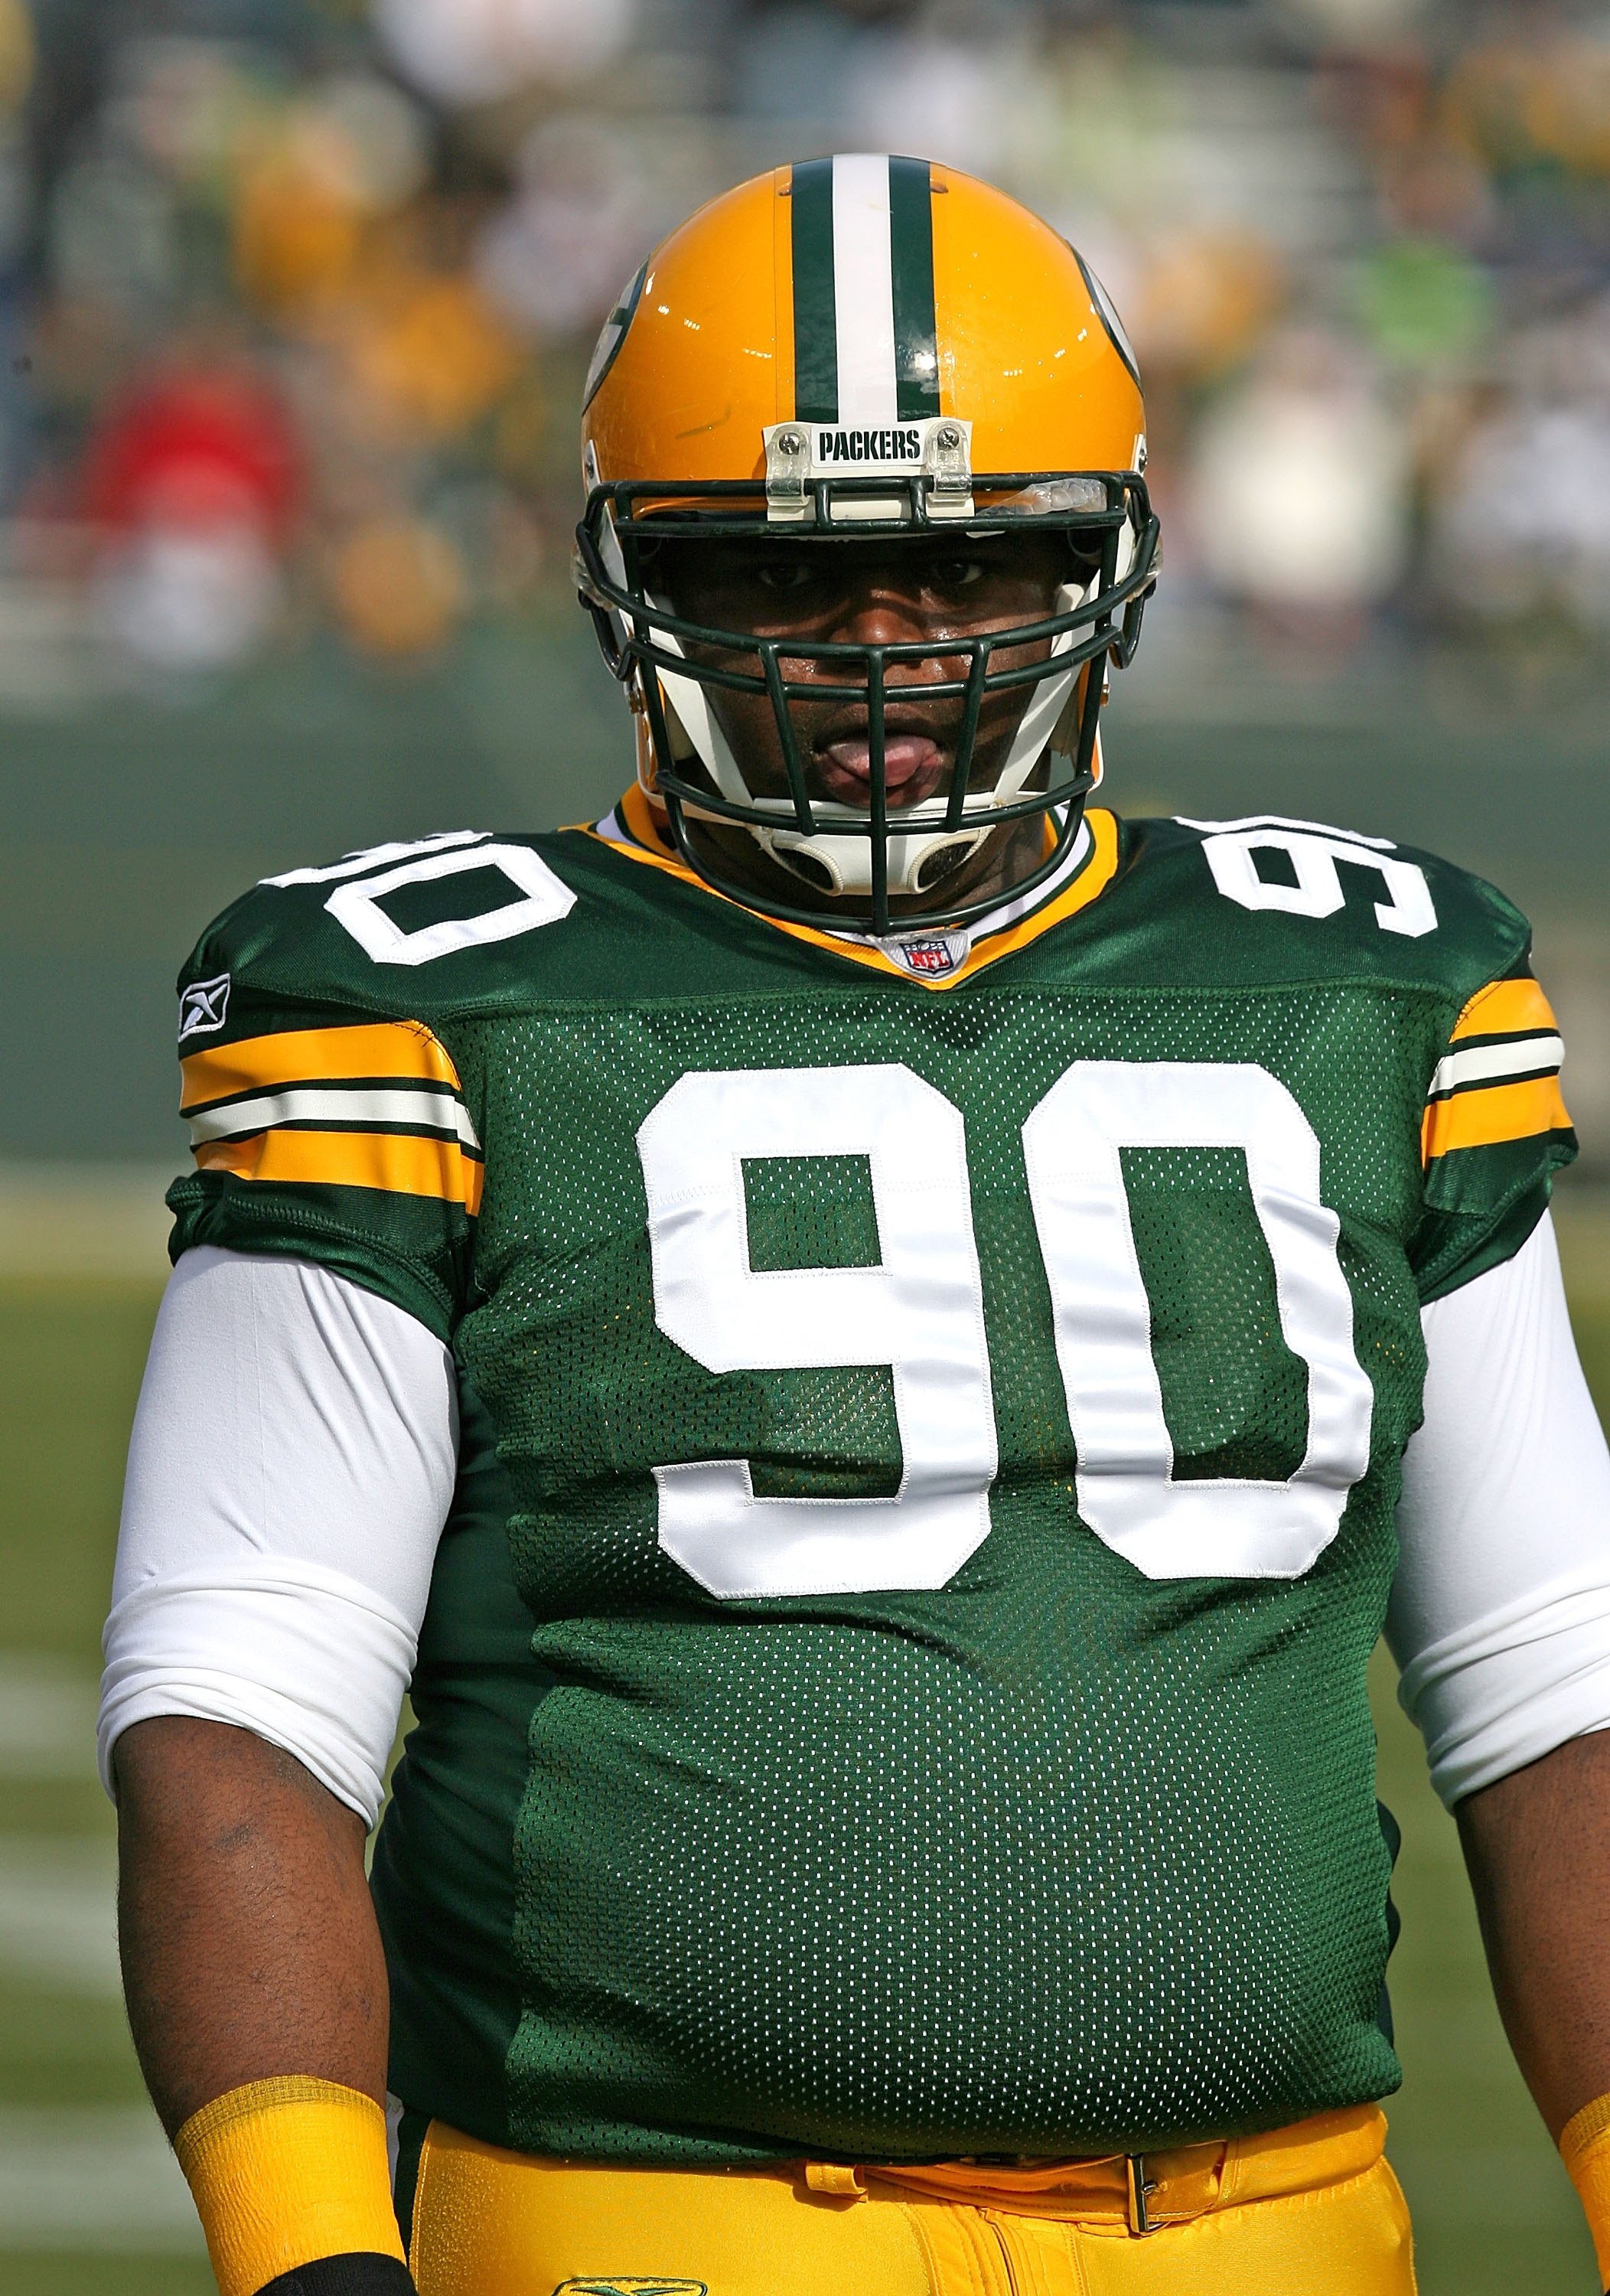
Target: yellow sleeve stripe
x=396, y=1050
x=406, y=1164
x=1505, y=1007
x=1484, y=1118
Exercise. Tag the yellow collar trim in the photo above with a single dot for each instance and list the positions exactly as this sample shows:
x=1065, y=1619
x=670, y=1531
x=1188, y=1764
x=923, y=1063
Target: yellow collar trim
x=636, y=813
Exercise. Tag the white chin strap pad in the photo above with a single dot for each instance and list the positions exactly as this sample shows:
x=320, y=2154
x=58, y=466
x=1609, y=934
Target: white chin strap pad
x=847, y=861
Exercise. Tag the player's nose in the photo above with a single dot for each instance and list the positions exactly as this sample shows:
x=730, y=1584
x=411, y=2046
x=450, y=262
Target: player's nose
x=879, y=614
x=884, y=609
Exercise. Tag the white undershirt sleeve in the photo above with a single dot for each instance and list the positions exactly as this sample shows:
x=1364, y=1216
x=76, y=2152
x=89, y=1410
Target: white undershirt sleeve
x=292, y=1466
x=1500, y=1610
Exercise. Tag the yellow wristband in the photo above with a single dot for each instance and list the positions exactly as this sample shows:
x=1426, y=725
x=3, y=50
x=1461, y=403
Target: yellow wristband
x=1585, y=2149
x=284, y=2172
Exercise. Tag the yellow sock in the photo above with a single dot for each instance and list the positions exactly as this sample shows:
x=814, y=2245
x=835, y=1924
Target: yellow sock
x=284, y=2172
x=1585, y=2149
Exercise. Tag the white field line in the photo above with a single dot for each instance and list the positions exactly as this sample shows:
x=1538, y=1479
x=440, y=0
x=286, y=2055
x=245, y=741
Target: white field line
x=58, y=1914
x=85, y=1219
x=92, y=2177
x=47, y=1717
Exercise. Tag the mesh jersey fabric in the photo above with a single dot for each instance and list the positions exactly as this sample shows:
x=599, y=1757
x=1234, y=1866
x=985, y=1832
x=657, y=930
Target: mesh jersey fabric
x=1054, y=1857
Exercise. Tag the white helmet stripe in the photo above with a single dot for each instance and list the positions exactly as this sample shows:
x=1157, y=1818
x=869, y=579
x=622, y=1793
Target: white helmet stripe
x=863, y=290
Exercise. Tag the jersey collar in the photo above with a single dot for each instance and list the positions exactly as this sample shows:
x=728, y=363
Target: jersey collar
x=931, y=960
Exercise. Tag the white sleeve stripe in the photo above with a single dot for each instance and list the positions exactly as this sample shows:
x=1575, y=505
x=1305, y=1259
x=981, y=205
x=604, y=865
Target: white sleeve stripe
x=1519, y=1056
x=436, y=1113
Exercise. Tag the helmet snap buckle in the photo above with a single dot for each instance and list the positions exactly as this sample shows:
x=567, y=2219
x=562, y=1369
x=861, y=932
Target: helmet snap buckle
x=789, y=498
x=948, y=468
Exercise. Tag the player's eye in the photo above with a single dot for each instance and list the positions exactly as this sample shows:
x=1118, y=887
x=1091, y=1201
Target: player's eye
x=955, y=573
x=784, y=574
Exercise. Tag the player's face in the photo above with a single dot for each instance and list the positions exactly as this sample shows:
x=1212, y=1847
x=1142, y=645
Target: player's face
x=874, y=592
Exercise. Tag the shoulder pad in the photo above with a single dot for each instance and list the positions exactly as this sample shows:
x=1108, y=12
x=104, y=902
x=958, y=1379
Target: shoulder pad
x=1392, y=908
x=427, y=927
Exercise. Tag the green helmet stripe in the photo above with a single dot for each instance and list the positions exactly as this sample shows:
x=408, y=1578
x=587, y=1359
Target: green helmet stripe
x=815, y=316
x=911, y=249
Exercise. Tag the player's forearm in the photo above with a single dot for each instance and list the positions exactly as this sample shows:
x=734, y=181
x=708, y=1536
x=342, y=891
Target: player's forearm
x=249, y=1941
x=1537, y=1848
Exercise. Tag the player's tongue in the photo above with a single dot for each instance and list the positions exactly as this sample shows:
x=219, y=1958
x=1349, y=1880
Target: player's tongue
x=905, y=756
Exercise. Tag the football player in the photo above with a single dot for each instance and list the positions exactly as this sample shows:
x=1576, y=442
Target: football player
x=854, y=1333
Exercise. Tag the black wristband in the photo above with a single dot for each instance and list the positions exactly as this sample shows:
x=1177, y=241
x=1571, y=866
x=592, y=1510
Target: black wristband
x=363, y=2273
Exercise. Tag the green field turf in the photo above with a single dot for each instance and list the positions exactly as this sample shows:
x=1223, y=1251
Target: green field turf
x=84, y=2208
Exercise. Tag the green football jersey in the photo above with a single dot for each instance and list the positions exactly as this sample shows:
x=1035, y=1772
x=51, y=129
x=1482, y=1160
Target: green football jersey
x=894, y=1681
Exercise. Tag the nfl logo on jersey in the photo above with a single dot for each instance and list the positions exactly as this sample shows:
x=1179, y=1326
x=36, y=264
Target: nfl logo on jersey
x=932, y=957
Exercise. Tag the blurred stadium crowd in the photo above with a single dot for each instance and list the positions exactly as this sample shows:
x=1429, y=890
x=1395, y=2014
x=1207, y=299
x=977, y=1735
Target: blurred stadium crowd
x=297, y=294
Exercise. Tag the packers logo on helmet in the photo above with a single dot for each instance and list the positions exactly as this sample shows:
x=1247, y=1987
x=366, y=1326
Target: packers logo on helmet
x=850, y=347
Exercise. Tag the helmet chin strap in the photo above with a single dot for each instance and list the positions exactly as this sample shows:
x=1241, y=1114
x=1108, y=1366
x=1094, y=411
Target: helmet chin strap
x=843, y=865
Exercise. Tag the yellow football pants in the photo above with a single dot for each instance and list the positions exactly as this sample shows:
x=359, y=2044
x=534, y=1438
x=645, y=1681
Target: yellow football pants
x=1308, y=2210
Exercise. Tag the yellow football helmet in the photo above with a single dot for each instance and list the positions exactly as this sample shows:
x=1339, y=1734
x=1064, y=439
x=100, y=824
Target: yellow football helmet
x=848, y=347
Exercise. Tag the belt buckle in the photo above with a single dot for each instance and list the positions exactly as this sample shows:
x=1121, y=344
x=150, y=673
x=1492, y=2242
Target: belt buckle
x=1140, y=2188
